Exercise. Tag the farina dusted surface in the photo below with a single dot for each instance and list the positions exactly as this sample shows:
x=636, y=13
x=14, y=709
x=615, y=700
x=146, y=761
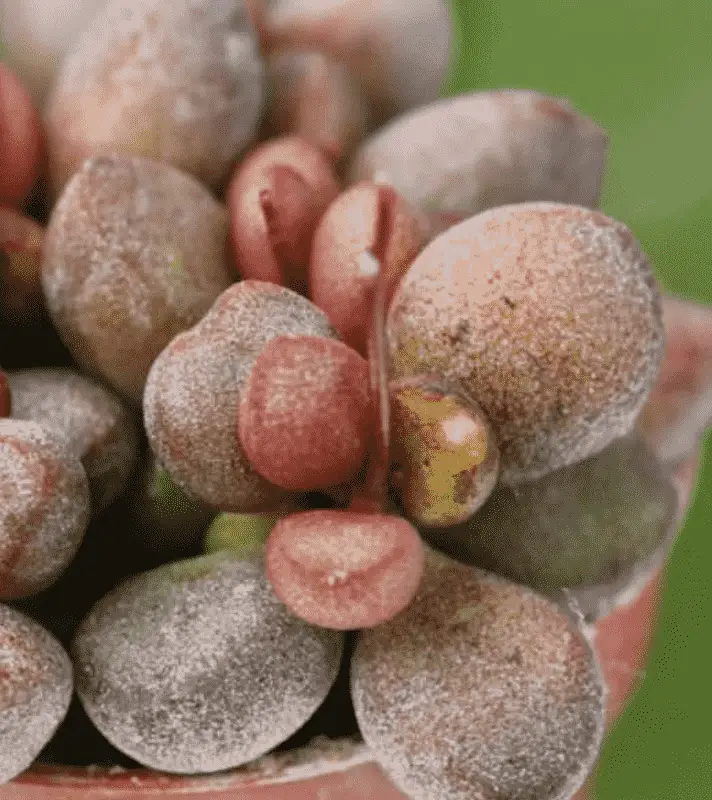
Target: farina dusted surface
x=35, y=690
x=44, y=507
x=181, y=667
x=135, y=253
x=480, y=690
x=95, y=425
x=548, y=315
x=193, y=393
x=179, y=81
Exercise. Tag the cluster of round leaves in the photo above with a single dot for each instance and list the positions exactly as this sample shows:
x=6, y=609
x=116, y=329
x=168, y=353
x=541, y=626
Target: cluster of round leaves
x=433, y=330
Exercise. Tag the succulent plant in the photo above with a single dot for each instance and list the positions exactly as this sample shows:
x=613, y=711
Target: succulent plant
x=344, y=569
x=548, y=316
x=44, y=510
x=467, y=153
x=36, y=689
x=194, y=390
x=589, y=534
x=481, y=688
x=135, y=253
x=304, y=414
x=171, y=667
x=367, y=223
x=445, y=454
x=171, y=80
x=94, y=424
x=395, y=323
x=276, y=198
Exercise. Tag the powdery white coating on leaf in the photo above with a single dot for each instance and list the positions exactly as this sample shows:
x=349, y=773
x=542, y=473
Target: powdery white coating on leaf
x=191, y=408
x=135, y=253
x=318, y=98
x=94, y=424
x=197, y=666
x=193, y=393
x=180, y=81
x=305, y=412
x=398, y=48
x=485, y=149
x=35, y=690
x=343, y=569
x=44, y=507
x=679, y=408
x=480, y=690
x=586, y=533
x=548, y=315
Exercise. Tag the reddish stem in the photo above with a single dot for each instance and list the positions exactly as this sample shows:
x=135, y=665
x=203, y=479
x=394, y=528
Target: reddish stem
x=373, y=494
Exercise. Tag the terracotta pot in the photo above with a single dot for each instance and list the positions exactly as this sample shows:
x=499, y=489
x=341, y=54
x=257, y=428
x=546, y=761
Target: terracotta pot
x=344, y=770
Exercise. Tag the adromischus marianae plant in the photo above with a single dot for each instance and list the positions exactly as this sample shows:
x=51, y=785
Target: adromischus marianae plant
x=194, y=103
x=344, y=569
x=299, y=387
x=276, y=198
x=591, y=533
x=364, y=222
x=92, y=422
x=350, y=568
x=359, y=566
x=465, y=370
x=479, y=689
x=548, y=316
x=135, y=253
x=444, y=453
x=316, y=97
x=474, y=151
x=398, y=50
x=193, y=393
x=35, y=693
x=45, y=508
x=133, y=660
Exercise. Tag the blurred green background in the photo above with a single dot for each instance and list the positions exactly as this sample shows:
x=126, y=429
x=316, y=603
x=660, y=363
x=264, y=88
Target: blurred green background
x=643, y=70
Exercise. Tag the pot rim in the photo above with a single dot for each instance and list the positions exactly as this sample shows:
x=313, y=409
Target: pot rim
x=320, y=757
